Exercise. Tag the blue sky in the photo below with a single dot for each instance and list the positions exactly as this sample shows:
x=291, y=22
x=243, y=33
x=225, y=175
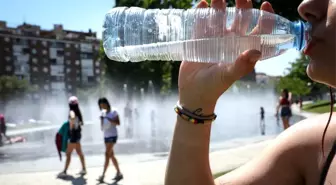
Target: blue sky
x=80, y=15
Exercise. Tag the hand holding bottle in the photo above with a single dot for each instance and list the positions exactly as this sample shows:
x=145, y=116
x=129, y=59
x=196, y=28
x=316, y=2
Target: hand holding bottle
x=201, y=84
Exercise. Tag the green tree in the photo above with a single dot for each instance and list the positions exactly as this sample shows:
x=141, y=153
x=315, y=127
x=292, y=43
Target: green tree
x=298, y=82
x=12, y=87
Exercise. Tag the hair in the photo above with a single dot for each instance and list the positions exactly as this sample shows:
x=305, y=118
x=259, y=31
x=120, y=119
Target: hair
x=332, y=101
x=286, y=93
x=75, y=108
x=104, y=101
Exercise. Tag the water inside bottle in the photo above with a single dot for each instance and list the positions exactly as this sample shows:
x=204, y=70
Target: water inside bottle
x=225, y=49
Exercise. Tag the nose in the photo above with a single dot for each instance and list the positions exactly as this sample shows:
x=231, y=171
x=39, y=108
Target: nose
x=313, y=10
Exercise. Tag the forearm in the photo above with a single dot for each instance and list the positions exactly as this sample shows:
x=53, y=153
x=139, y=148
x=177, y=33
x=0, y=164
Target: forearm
x=189, y=156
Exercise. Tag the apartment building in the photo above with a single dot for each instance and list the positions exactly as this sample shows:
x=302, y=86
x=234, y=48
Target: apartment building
x=55, y=61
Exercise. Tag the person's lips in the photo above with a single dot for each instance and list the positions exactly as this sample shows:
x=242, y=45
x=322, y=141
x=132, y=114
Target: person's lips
x=310, y=46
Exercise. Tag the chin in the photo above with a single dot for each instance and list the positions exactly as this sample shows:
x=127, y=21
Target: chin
x=321, y=75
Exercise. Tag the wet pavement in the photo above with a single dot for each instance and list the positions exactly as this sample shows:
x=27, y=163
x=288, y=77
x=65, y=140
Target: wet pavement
x=149, y=142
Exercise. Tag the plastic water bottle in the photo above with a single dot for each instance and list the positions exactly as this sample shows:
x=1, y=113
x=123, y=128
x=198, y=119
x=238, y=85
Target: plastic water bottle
x=197, y=35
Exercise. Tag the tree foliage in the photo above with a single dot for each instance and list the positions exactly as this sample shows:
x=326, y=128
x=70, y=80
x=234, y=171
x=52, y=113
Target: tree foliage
x=298, y=82
x=12, y=87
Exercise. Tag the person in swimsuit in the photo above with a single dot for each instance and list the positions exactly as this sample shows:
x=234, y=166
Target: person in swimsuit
x=75, y=124
x=262, y=120
x=109, y=121
x=285, y=108
x=304, y=154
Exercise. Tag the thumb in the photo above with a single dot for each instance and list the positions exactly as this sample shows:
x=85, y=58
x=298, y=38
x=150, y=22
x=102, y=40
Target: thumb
x=245, y=63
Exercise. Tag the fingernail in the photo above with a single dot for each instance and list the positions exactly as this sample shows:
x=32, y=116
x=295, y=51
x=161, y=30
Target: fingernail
x=255, y=56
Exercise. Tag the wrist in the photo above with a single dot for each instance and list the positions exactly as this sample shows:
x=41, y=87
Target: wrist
x=201, y=108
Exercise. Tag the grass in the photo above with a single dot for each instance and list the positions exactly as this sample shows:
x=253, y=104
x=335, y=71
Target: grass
x=317, y=107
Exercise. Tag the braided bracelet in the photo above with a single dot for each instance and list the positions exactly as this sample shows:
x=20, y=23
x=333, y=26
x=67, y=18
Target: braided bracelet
x=192, y=117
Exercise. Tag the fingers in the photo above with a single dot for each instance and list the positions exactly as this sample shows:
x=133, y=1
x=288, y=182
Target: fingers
x=218, y=4
x=244, y=4
x=266, y=21
x=266, y=6
x=202, y=4
x=243, y=65
x=200, y=20
x=241, y=21
x=218, y=17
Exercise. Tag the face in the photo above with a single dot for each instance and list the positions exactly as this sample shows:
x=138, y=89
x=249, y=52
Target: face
x=103, y=106
x=283, y=93
x=322, y=47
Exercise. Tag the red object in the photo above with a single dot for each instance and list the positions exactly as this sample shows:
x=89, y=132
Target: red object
x=284, y=101
x=58, y=141
x=2, y=119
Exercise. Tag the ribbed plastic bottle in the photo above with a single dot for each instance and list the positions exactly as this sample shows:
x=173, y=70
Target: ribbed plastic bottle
x=197, y=35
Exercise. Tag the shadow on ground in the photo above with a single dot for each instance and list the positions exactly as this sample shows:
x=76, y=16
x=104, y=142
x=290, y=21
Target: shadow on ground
x=106, y=183
x=80, y=180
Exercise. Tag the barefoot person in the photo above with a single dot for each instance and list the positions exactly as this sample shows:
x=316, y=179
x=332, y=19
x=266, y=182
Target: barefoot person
x=109, y=122
x=304, y=154
x=75, y=124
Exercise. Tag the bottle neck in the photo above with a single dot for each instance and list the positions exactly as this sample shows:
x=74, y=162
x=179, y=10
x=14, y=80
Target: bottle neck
x=301, y=31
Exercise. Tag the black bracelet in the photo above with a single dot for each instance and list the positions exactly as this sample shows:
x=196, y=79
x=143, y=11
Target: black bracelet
x=192, y=117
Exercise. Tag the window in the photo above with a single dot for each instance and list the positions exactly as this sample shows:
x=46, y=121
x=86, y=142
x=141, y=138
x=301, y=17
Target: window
x=8, y=58
x=34, y=51
x=34, y=61
x=60, y=53
x=45, y=69
x=68, y=54
x=77, y=62
x=78, y=71
x=59, y=78
x=7, y=49
x=44, y=52
x=33, y=42
x=97, y=71
x=8, y=68
x=44, y=43
x=35, y=69
x=17, y=40
x=78, y=79
x=7, y=39
x=26, y=50
x=69, y=87
x=45, y=61
x=86, y=55
x=97, y=64
x=67, y=45
x=68, y=62
x=91, y=79
x=98, y=79
x=77, y=46
x=46, y=87
x=53, y=61
x=68, y=70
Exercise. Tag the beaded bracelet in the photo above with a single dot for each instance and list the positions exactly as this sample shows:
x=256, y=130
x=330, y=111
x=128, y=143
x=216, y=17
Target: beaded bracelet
x=193, y=118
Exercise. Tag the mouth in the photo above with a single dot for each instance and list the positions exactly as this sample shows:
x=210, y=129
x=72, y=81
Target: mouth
x=310, y=45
